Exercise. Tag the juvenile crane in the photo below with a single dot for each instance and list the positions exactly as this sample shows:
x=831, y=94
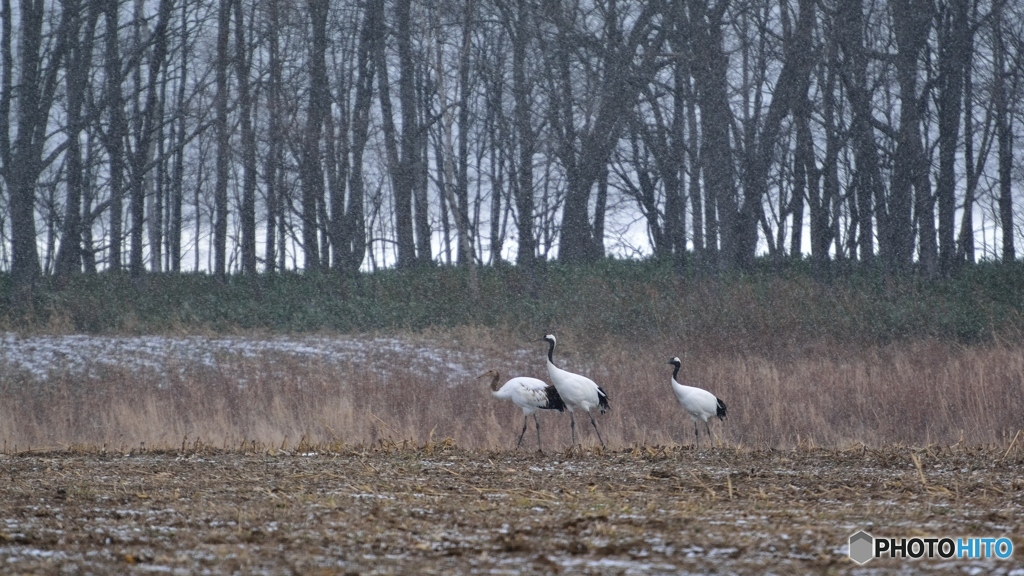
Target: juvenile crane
x=576, y=391
x=530, y=394
x=697, y=402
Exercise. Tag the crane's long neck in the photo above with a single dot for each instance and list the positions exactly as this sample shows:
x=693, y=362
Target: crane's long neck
x=551, y=352
x=675, y=373
x=494, y=382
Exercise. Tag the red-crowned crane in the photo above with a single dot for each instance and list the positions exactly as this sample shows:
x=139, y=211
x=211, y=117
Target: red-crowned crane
x=699, y=403
x=576, y=391
x=530, y=394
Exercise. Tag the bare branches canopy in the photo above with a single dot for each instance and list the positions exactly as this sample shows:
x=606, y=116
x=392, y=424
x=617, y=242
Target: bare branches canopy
x=347, y=135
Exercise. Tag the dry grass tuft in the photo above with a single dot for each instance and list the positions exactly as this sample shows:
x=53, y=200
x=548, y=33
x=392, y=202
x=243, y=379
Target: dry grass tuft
x=921, y=393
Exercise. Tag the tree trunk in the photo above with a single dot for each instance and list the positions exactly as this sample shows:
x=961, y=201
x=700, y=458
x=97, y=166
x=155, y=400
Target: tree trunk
x=69, y=256
x=405, y=180
x=117, y=132
x=353, y=232
x=247, y=211
x=910, y=24
x=1004, y=136
x=972, y=171
x=705, y=223
x=421, y=169
x=806, y=176
x=6, y=87
x=220, y=224
x=336, y=153
x=953, y=38
x=177, y=186
x=821, y=192
x=88, y=215
x=675, y=183
x=456, y=175
x=710, y=75
x=870, y=197
x=522, y=95
x=466, y=255
x=146, y=125
x=401, y=166
x=274, y=162
x=311, y=170
x=36, y=89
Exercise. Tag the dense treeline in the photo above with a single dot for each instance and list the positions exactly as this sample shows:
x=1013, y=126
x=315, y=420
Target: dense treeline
x=230, y=136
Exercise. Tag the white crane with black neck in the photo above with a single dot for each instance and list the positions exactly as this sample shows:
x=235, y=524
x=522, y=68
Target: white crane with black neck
x=530, y=394
x=699, y=403
x=576, y=391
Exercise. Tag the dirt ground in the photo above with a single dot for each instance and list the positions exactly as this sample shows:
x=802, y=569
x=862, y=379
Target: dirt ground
x=439, y=509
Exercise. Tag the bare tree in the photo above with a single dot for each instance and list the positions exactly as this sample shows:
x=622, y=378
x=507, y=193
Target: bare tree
x=790, y=87
x=868, y=185
x=627, y=59
x=1004, y=136
x=146, y=124
x=24, y=161
x=455, y=163
x=178, y=139
x=519, y=23
x=953, y=28
x=311, y=170
x=726, y=125
x=220, y=219
x=823, y=182
x=974, y=159
x=910, y=22
x=69, y=255
x=403, y=164
x=247, y=211
x=710, y=68
x=351, y=243
x=274, y=162
x=6, y=87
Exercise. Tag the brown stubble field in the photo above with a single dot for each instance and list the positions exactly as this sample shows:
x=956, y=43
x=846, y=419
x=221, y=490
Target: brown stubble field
x=436, y=508
x=396, y=460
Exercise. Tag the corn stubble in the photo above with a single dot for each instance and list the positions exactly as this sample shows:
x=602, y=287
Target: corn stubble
x=438, y=508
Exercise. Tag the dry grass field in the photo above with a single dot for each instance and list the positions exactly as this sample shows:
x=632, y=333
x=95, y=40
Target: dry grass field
x=126, y=392
x=438, y=509
x=384, y=454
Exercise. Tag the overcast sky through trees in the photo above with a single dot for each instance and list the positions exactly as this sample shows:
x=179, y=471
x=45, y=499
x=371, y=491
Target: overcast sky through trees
x=228, y=136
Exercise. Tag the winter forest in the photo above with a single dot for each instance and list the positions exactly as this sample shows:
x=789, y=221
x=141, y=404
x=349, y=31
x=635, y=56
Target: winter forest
x=228, y=137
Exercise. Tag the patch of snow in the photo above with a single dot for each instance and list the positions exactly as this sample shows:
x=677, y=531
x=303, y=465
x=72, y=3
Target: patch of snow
x=44, y=357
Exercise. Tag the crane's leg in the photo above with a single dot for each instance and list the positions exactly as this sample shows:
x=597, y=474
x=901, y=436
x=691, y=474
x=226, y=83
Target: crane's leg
x=572, y=424
x=696, y=435
x=595, y=428
x=537, y=422
x=523, y=433
x=708, y=428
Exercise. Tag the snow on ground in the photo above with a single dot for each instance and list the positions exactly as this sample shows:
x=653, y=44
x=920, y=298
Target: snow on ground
x=43, y=356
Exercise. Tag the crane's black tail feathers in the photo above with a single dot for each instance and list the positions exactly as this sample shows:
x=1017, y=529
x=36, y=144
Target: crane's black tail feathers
x=555, y=401
x=721, y=410
x=602, y=400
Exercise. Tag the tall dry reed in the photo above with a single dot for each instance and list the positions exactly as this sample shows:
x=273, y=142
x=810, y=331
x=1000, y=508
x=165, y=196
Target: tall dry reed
x=912, y=393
